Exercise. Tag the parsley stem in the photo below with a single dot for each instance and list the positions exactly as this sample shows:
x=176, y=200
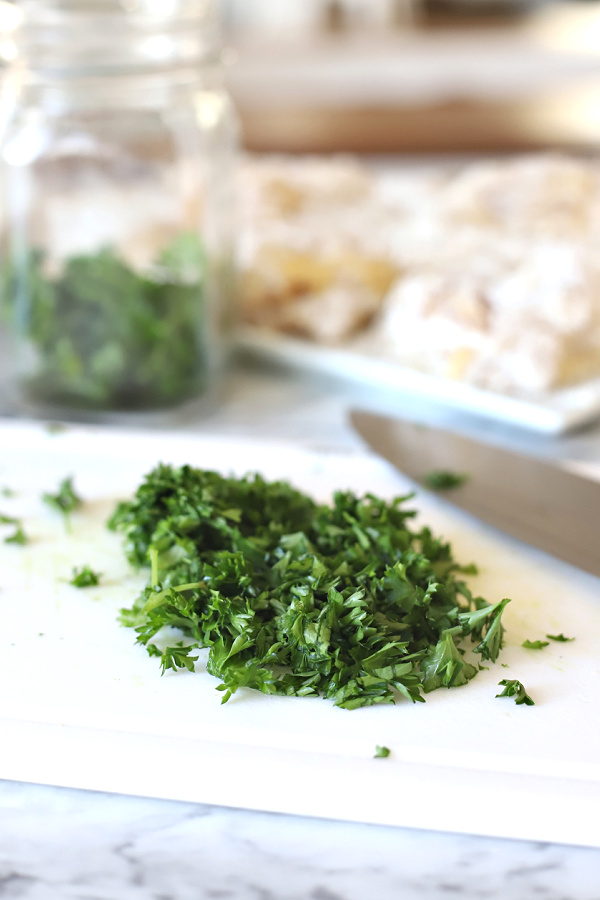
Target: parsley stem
x=153, y=554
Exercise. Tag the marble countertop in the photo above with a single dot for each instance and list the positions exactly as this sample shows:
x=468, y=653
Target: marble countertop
x=57, y=843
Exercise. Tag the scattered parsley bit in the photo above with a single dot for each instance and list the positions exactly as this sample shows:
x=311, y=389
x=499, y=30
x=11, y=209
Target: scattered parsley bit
x=84, y=577
x=559, y=637
x=55, y=427
x=514, y=688
x=535, y=645
x=381, y=752
x=19, y=537
x=342, y=601
x=66, y=500
x=7, y=492
x=444, y=479
x=8, y=520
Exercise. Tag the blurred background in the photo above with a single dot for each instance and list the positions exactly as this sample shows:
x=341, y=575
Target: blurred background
x=414, y=75
x=327, y=247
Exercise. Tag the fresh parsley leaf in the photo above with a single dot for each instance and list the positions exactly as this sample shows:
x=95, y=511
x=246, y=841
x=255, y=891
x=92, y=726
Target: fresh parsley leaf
x=444, y=479
x=444, y=665
x=8, y=520
x=534, y=645
x=19, y=537
x=484, y=624
x=84, y=577
x=342, y=600
x=66, y=500
x=559, y=637
x=381, y=752
x=514, y=688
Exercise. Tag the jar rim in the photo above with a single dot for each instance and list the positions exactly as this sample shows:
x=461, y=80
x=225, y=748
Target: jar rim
x=74, y=36
x=124, y=10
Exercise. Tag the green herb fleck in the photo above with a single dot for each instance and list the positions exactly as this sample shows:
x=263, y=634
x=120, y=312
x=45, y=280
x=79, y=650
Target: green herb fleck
x=514, y=688
x=8, y=520
x=66, y=500
x=444, y=479
x=56, y=427
x=559, y=637
x=84, y=577
x=381, y=752
x=534, y=645
x=7, y=492
x=19, y=537
x=340, y=600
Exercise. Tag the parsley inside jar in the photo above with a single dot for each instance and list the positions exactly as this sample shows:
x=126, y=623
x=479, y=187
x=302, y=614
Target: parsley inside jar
x=117, y=240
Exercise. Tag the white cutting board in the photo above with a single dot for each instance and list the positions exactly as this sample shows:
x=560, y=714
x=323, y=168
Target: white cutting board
x=81, y=705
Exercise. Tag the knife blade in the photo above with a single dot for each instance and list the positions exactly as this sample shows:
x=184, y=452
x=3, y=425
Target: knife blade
x=535, y=501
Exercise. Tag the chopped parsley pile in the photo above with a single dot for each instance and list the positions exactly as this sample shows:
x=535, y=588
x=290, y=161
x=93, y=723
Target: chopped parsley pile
x=292, y=597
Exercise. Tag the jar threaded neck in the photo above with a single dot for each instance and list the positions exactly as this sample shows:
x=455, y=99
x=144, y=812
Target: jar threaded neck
x=66, y=37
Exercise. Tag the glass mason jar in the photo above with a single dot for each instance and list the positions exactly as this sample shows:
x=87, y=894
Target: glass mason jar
x=116, y=242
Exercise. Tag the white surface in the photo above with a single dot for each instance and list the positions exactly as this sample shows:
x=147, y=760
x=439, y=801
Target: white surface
x=559, y=411
x=73, y=683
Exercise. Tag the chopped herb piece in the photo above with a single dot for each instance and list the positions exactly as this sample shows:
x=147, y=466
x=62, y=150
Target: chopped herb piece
x=340, y=600
x=514, y=688
x=84, y=577
x=66, y=500
x=56, y=427
x=8, y=520
x=178, y=658
x=381, y=752
x=444, y=666
x=559, y=637
x=444, y=479
x=19, y=537
x=534, y=645
x=7, y=492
